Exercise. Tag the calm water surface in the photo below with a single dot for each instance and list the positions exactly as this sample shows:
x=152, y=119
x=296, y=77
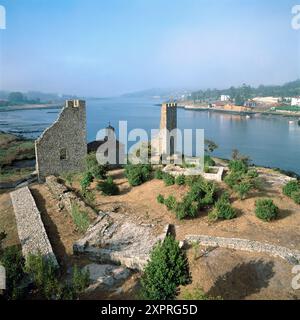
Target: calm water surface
x=269, y=140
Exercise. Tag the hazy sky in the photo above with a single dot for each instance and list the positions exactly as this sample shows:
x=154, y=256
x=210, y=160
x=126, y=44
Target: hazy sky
x=108, y=47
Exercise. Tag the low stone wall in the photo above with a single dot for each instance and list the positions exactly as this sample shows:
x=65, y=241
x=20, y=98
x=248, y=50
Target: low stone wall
x=292, y=256
x=31, y=231
x=67, y=198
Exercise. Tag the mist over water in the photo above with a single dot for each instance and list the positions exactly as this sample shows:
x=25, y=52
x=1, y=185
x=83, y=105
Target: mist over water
x=268, y=140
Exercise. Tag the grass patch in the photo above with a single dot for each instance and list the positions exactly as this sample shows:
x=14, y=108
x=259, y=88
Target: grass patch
x=80, y=218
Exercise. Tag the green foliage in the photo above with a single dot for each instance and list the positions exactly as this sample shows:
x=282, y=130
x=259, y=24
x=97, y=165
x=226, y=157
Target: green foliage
x=44, y=274
x=222, y=209
x=108, y=187
x=170, y=202
x=186, y=208
x=3, y=235
x=295, y=195
x=160, y=199
x=68, y=177
x=290, y=187
x=158, y=174
x=208, y=161
x=89, y=197
x=242, y=189
x=97, y=171
x=165, y=272
x=266, y=210
x=211, y=146
x=197, y=294
x=238, y=166
x=80, y=218
x=138, y=174
x=86, y=180
x=169, y=180
x=180, y=180
x=12, y=260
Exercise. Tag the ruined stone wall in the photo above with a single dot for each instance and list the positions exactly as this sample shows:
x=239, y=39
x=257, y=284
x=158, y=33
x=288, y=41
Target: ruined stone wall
x=31, y=230
x=292, y=256
x=62, y=147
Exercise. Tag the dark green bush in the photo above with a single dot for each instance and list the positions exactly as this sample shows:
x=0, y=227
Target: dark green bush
x=238, y=166
x=160, y=199
x=180, y=180
x=170, y=203
x=295, y=195
x=86, y=180
x=12, y=260
x=158, y=174
x=98, y=171
x=169, y=180
x=186, y=208
x=108, y=187
x=138, y=174
x=266, y=209
x=233, y=178
x=165, y=272
x=222, y=209
x=208, y=161
x=290, y=187
x=242, y=189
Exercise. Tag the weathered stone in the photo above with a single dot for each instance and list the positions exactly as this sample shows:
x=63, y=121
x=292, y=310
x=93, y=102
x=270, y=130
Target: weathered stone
x=114, y=238
x=62, y=147
x=292, y=256
x=31, y=231
x=106, y=274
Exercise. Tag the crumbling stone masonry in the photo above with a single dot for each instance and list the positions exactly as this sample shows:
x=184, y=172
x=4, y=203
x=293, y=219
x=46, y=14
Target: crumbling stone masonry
x=291, y=256
x=31, y=231
x=62, y=147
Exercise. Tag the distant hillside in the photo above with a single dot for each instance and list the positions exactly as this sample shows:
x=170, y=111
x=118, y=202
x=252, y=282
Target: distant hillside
x=244, y=92
x=158, y=93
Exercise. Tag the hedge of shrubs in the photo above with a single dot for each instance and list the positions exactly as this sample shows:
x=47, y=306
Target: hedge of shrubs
x=266, y=210
x=202, y=193
x=292, y=190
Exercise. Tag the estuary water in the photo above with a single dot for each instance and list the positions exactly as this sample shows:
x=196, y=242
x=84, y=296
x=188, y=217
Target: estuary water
x=271, y=141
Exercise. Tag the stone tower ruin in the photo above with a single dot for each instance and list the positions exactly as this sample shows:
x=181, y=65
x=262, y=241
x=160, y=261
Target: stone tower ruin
x=62, y=147
x=168, y=122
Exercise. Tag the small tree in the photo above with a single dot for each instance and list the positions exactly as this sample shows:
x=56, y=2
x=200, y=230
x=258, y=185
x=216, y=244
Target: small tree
x=138, y=174
x=165, y=272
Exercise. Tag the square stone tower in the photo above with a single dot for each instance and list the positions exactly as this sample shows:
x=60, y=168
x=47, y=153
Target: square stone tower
x=168, y=122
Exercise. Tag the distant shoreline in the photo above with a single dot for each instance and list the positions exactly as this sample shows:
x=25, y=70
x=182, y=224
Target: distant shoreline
x=32, y=107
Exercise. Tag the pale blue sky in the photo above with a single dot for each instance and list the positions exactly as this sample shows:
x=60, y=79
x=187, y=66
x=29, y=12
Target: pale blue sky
x=102, y=48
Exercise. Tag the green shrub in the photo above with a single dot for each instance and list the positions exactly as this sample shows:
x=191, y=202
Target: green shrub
x=80, y=280
x=86, y=180
x=190, y=180
x=222, y=209
x=89, y=197
x=295, y=195
x=233, y=178
x=238, y=166
x=169, y=180
x=158, y=174
x=208, y=161
x=186, y=208
x=43, y=272
x=80, y=218
x=266, y=210
x=242, y=189
x=197, y=294
x=180, y=180
x=12, y=260
x=252, y=174
x=290, y=187
x=160, y=199
x=108, y=187
x=165, y=272
x=138, y=174
x=98, y=171
x=170, y=203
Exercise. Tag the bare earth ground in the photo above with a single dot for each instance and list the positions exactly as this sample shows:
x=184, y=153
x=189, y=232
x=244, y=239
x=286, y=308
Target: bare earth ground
x=221, y=272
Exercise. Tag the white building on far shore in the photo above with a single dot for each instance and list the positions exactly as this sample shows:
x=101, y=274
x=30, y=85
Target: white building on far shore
x=295, y=101
x=224, y=97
